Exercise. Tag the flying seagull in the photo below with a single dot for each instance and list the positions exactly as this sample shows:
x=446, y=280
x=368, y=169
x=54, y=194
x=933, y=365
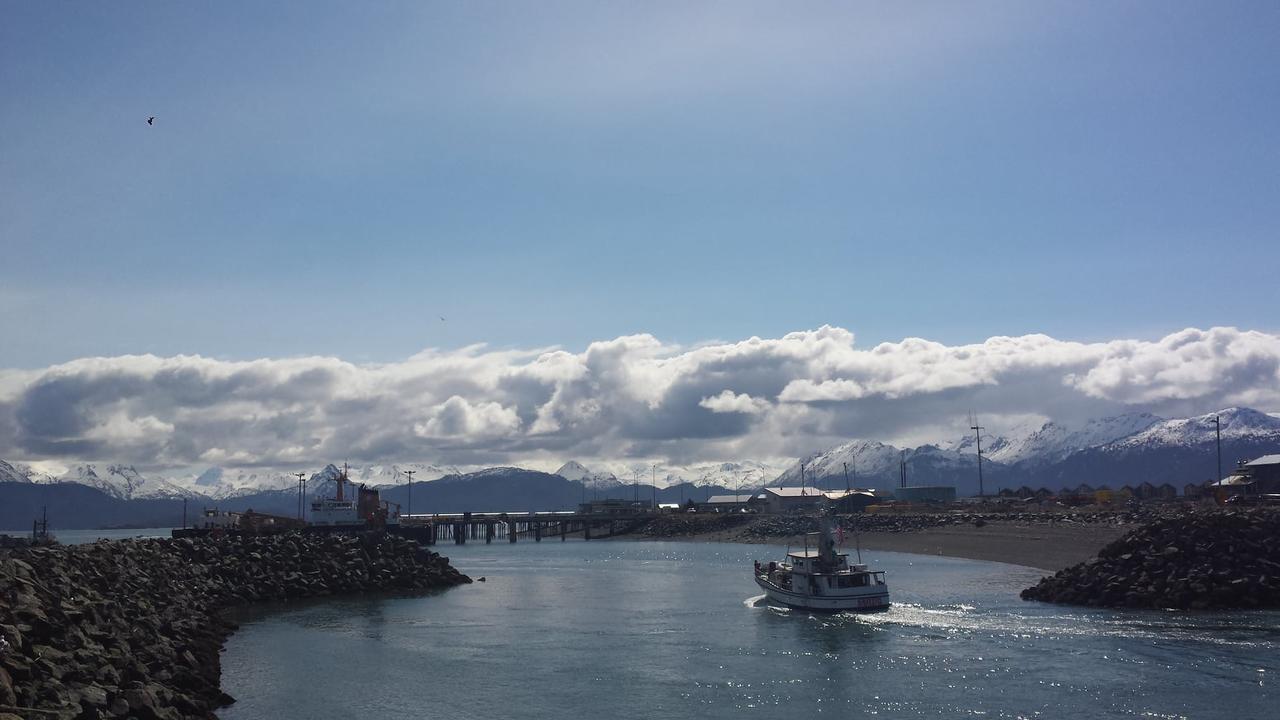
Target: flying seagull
x=151, y=120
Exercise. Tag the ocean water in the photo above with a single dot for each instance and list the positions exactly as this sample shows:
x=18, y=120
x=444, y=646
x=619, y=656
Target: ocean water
x=678, y=630
x=80, y=537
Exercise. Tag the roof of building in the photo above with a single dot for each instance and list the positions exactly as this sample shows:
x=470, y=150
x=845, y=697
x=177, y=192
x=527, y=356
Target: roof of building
x=1264, y=460
x=793, y=492
x=715, y=499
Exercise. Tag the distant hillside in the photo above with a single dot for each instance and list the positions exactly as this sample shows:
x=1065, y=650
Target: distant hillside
x=74, y=506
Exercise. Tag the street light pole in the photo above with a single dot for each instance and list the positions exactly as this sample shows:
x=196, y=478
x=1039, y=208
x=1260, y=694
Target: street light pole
x=302, y=495
x=653, y=478
x=977, y=433
x=410, y=503
x=1217, y=432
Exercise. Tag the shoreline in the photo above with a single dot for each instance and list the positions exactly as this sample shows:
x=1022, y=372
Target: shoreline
x=1045, y=545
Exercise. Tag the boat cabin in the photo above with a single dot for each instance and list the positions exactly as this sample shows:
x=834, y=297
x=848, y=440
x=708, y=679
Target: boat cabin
x=842, y=575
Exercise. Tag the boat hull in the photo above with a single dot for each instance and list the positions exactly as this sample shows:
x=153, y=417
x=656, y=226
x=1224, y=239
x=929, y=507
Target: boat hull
x=865, y=602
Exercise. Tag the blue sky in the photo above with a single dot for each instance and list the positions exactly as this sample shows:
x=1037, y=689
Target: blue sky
x=333, y=178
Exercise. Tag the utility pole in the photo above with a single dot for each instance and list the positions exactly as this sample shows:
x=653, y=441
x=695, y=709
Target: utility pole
x=653, y=478
x=847, y=487
x=977, y=433
x=302, y=495
x=410, y=503
x=1217, y=431
x=184, y=513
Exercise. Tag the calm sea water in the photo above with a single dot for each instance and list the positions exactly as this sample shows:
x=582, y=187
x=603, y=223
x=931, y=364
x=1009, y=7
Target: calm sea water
x=677, y=630
x=79, y=537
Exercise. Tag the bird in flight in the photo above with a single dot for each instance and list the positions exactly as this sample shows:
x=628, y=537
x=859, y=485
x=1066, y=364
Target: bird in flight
x=151, y=120
x=442, y=318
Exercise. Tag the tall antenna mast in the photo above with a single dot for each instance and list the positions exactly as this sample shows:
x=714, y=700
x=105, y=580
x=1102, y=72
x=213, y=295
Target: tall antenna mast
x=977, y=433
x=847, y=487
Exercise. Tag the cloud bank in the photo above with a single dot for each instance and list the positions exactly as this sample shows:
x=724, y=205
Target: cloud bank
x=630, y=397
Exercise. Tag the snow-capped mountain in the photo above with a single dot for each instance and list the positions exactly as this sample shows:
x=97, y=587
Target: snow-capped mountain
x=574, y=470
x=868, y=461
x=742, y=473
x=125, y=482
x=878, y=465
x=221, y=483
x=1054, y=441
x=9, y=473
x=1238, y=424
x=1115, y=450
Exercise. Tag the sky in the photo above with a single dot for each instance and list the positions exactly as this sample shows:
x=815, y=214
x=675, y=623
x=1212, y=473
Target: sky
x=370, y=184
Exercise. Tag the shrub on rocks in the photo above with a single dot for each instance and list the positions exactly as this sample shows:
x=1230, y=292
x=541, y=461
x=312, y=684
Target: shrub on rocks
x=133, y=628
x=1216, y=560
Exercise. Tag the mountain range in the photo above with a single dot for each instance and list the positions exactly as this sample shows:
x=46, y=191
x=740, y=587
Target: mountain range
x=1116, y=451
x=1121, y=450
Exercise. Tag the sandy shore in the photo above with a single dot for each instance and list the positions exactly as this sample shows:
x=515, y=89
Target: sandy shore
x=1050, y=548
x=1043, y=546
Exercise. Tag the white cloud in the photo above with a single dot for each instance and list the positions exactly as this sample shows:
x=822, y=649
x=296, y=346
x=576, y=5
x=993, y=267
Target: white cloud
x=731, y=402
x=633, y=396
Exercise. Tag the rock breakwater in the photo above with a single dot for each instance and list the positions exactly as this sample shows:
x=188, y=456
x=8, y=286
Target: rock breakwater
x=133, y=628
x=767, y=526
x=1207, y=560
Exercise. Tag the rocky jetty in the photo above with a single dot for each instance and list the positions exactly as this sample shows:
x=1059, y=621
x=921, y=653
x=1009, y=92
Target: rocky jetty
x=133, y=628
x=1206, y=560
x=677, y=525
x=790, y=525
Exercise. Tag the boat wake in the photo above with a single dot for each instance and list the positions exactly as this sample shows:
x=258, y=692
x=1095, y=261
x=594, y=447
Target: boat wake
x=956, y=620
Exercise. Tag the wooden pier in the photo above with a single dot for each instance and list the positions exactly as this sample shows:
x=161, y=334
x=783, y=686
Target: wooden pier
x=511, y=527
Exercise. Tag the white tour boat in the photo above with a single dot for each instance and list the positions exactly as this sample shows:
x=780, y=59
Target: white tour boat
x=823, y=579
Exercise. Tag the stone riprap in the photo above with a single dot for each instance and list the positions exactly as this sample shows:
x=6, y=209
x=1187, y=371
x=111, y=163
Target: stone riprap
x=676, y=525
x=1205, y=560
x=133, y=628
x=790, y=525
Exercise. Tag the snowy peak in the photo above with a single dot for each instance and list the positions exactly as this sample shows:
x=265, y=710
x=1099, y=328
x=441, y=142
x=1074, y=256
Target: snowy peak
x=210, y=478
x=864, y=458
x=1054, y=441
x=11, y=474
x=1236, y=423
x=576, y=471
x=573, y=470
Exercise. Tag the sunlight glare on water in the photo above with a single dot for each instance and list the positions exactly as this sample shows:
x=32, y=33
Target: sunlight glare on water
x=672, y=630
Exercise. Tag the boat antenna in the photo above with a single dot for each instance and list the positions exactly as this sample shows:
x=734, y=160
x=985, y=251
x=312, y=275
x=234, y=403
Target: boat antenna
x=857, y=538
